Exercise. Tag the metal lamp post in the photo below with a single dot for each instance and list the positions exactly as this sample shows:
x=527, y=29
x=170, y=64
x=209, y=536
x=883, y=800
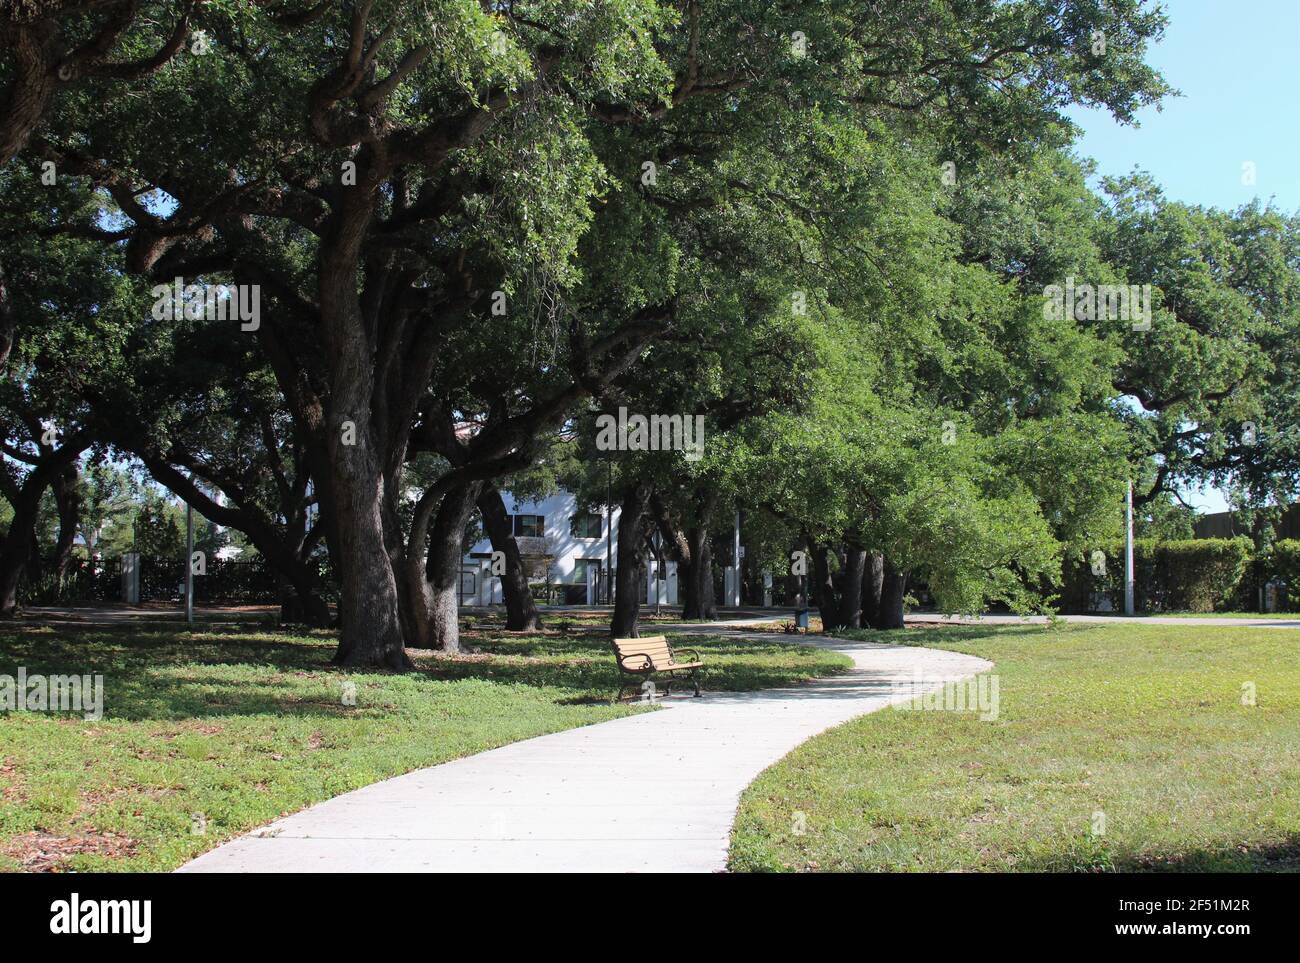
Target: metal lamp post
x=189, y=562
x=1128, y=550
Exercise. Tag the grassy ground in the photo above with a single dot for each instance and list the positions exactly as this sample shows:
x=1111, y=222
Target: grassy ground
x=1123, y=747
x=208, y=734
x=1221, y=615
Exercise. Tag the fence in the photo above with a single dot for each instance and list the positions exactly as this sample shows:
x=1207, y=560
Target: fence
x=84, y=580
x=161, y=580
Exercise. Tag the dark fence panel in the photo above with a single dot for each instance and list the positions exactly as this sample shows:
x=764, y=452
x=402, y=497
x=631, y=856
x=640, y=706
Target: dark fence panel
x=84, y=580
x=161, y=580
x=233, y=581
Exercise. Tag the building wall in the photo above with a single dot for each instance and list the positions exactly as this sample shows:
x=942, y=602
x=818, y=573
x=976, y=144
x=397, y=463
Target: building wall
x=1228, y=525
x=564, y=548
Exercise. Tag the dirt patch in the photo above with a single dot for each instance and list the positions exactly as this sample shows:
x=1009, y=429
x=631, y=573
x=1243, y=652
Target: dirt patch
x=92, y=799
x=11, y=782
x=38, y=852
x=784, y=627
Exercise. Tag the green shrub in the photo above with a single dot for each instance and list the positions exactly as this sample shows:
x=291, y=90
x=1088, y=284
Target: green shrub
x=1196, y=575
x=1246, y=597
x=1283, y=562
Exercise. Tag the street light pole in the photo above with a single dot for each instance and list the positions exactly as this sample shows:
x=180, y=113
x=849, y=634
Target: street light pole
x=1128, y=550
x=609, y=529
x=735, y=562
x=189, y=562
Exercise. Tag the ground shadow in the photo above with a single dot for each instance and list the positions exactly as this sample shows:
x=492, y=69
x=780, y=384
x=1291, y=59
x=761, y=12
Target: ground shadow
x=1277, y=857
x=165, y=674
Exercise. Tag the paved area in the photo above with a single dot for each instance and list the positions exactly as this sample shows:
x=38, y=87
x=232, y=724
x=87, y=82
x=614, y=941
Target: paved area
x=114, y=613
x=655, y=792
x=174, y=614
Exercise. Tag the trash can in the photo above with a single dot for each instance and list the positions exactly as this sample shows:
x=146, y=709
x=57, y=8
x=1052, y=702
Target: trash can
x=801, y=619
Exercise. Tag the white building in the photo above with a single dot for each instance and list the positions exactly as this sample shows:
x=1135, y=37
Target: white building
x=569, y=549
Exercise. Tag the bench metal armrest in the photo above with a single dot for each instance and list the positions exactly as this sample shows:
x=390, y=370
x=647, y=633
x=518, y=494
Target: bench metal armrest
x=695, y=655
x=649, y=662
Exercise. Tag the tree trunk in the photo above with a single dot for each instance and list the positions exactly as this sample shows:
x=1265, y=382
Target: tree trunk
x=8, y=316
x=302, y=605
x=412, y=598
x=370, y=632
x=16, y=552
x=301, y=602
x=691, y=550
x=823, y=589
x=696, y=582
x=521, y=612
x=873, y=580
x=893, y=590
x=19, y=546
x=370, y=629
x=855, y=565
x=68, y=501
x=627, y=594
x=446, y=547
x=32, y=86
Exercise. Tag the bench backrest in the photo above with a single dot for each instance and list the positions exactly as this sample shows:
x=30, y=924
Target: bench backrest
x=654, y=646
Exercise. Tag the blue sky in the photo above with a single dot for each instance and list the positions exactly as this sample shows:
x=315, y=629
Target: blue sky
x=1237, y=66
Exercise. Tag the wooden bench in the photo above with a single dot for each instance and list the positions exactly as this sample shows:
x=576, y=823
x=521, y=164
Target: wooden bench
x=652, y=656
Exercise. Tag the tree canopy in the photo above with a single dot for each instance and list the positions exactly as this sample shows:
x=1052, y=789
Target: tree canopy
x=335, y=272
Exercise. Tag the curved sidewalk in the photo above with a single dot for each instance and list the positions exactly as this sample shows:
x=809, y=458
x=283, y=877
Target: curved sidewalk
x=654, y=792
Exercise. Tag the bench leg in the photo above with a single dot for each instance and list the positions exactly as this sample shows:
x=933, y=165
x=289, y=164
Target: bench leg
x=695, y=681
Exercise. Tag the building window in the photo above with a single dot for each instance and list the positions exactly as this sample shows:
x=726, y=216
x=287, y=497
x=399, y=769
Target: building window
x=585, y=526
x=580, y=566
x=530, y=526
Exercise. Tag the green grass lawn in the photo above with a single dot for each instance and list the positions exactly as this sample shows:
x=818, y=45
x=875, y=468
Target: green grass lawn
x=1222, y=615
x=241, y=726
x=1142, y=724
x=1283, y=616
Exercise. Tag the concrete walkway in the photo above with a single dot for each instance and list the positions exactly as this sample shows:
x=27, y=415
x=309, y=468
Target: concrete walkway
x=655, y=792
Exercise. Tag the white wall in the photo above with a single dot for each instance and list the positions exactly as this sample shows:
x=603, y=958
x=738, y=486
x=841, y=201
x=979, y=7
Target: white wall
x=558, y=511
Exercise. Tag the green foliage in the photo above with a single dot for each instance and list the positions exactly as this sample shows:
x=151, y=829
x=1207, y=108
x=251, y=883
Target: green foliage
x=1280, y=561
x=109, y=497
x=1196, y=575
x=1211, y=384
x=159, y=528
x=1164, y=518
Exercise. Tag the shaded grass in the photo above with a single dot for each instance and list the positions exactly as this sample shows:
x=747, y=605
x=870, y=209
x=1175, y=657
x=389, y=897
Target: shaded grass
x=582, y=660
x=1144, y=725
x=210, y=733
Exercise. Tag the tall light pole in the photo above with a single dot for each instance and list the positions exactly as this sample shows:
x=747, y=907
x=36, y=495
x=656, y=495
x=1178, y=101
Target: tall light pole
x=1128, y=550
x=609, y=529
x=189, y=562
x=735, y=561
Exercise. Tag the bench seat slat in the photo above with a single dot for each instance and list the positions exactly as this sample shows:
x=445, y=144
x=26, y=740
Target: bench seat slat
x=635, y=651
x=646, y=656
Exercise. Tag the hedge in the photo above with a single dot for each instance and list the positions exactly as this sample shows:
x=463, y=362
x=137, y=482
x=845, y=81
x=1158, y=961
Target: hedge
x=1195, y=575
x=1280, y=562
